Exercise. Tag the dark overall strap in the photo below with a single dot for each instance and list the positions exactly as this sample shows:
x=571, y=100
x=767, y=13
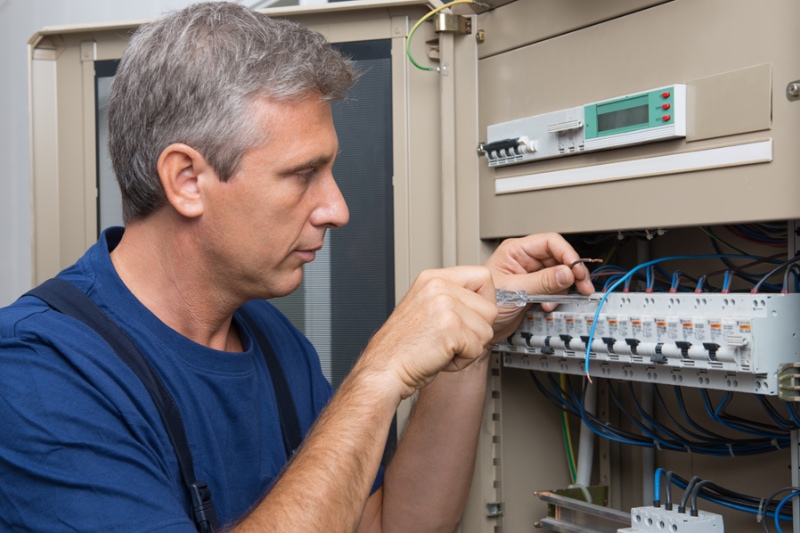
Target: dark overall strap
x=290, y=423
x=68, y=299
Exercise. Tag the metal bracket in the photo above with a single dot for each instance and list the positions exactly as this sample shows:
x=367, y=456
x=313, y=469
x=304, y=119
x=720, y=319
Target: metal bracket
x=88, y=51
x=495, y=509
x=450, y=23
x=793, y=91
x=789, y=382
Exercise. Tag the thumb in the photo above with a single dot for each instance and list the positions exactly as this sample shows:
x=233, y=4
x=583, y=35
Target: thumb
x=552, y=280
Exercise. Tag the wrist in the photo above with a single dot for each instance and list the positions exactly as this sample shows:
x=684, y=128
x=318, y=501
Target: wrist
x=376, y=384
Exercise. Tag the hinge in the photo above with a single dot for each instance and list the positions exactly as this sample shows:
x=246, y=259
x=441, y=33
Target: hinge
x=451, y=23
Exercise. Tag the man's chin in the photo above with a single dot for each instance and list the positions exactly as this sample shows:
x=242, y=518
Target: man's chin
x=284, y=289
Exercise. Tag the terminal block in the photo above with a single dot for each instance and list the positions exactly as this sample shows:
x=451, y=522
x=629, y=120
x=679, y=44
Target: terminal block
x=736, y=342
x=659, y=520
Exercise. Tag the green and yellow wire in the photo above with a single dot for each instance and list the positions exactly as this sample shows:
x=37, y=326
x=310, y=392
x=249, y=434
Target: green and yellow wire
x=570, y=450
x=419, y=23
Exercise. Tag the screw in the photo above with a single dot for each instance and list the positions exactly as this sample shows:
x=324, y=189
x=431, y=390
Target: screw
x=480, y=36
x=793, y=90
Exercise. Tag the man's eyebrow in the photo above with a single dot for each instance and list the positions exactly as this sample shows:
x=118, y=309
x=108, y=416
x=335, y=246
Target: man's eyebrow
x=315, y=162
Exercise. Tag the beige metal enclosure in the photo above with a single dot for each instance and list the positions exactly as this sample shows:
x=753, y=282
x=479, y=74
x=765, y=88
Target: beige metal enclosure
x=738, y=162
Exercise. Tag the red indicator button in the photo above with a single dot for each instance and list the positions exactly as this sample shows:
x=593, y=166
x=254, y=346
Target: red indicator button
x=666, y=94
x=666, y=118
x=665, y=106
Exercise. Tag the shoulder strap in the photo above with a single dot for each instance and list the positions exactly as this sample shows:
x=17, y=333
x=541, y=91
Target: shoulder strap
x=68, y=299
x=290, y=424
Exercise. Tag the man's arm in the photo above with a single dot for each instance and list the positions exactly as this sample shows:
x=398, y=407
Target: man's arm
x=442, y=324
x=427, y=483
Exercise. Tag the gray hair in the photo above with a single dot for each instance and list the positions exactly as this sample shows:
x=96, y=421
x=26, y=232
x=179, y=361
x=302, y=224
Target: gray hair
x=192, y=78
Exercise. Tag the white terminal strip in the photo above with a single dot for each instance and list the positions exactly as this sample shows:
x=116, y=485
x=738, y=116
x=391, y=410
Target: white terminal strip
x=738, y=342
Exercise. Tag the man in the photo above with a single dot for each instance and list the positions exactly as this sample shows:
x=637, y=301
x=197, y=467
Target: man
x=223, y=143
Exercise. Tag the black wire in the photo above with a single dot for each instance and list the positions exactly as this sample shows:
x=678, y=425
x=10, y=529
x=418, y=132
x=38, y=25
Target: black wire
x=547, y=394
x=668, y=482
x=751, y=278
x=723, y=496
x=686, y=493
x=707, y=436
x=743, y=424
x=679, y=438
x=693, y=509
x=782, y=422
x=769, y=499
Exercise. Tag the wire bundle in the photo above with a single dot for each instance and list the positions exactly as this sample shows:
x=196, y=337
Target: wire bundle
x=685, y=433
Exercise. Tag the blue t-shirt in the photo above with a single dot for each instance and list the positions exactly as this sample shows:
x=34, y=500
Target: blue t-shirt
x=82, y=447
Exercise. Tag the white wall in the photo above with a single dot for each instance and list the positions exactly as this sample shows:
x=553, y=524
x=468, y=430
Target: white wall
x=19, y=19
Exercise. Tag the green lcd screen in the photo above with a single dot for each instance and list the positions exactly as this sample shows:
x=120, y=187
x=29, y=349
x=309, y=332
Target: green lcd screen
x=623, y=118
x=632, y=113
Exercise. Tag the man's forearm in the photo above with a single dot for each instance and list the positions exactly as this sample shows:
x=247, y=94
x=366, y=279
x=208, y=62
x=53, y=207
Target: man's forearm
x=428, y=480
x=327, y=483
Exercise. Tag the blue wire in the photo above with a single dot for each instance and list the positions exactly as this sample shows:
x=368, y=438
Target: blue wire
x=726, y=281
x=793, y=415
x=758, y=236
x=779, y=507
x=611, y=279
x=657, y=483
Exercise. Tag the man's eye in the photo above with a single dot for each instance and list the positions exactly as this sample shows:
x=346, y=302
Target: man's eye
x=307, y=175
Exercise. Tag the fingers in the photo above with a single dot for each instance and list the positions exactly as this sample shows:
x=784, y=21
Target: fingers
x=443, y=323
x=539, y=264
x=477, y=284
x=534, y=252
x=461, y=306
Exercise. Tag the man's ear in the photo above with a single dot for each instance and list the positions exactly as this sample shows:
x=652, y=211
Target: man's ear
x=180, y=167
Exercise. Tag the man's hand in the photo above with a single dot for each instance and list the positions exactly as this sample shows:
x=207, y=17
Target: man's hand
x=537, y=264
x=443, y=323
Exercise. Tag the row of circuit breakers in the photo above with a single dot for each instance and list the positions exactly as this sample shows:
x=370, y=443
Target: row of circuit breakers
x=736, y=342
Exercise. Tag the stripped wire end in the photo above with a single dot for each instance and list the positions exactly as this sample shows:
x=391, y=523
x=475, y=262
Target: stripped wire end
x=585, y=260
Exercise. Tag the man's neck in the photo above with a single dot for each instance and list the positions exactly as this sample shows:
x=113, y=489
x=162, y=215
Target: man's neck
x=160, y=263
